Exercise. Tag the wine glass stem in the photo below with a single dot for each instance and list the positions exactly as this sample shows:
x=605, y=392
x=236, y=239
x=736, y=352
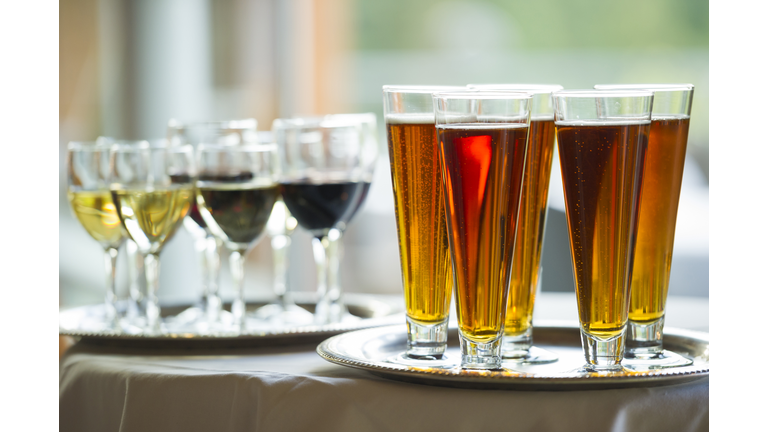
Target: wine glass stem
x=328, y=309
x=280, y=245
x=236, y=263
x=213, y=248
x=152, y=271
x=201, y=249
x=334, y=259
x=110, y=299
x=137, y=276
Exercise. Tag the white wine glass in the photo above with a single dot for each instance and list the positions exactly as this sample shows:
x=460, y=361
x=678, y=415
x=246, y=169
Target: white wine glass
x=91, y=202
x=236, y=190
x=152, y=186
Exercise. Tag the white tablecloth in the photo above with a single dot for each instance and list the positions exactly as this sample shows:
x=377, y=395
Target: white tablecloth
x=293, y=389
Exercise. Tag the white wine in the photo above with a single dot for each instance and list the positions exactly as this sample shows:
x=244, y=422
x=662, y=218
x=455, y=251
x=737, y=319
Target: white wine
x=96, y=212
x=151, y=216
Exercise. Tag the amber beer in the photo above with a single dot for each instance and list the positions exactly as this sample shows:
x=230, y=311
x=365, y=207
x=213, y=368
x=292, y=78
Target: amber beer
x=420, y=213
x=483, y=172
x=658, y=213
x=602, y=169
x=530, y=231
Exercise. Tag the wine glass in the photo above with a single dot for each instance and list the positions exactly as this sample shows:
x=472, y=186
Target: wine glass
x=369, y=154
x=236, y=190
x=152, y=188
x=208, y=310
x=91, y=202
x=321, y=182
x=281, y=224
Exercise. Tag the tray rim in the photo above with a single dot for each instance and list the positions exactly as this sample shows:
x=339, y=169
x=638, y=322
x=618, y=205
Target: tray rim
x=299, y=332
x=477, y=380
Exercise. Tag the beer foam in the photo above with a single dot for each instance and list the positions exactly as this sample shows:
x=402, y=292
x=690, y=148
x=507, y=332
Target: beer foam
x=482, y=126
x=419, y=118
x=670, y=116
x=614, y=121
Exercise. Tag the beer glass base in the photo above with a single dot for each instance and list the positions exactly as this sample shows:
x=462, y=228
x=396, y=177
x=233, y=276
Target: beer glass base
x=483, y=356
x=426, y=341
x=519, y=349
x=603, y=355
x=644, y=340
x=441, y=361
x=659, y=360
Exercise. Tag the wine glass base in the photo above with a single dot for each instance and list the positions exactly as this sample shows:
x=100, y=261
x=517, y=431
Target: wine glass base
x=662, y=360
x=534, y=355
x=436, y=361
x=277, y=315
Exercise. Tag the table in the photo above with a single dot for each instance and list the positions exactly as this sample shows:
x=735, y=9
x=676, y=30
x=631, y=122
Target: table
x=291, y=388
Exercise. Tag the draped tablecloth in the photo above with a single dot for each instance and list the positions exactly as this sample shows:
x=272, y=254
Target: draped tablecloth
x=293, y=389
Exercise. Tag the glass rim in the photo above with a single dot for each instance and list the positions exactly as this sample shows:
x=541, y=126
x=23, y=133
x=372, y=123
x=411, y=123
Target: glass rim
x=250, y=147
x=419, y=89
x=127, y=146
x=245, y=123
x=99, y=144
x=483, y=95
x=595, y=93
x=528, y=88
x=650, y=87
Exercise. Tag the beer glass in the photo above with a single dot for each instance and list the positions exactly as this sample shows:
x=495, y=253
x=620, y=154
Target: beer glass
x=483, y=139
x=152, y=189
x=321, y=180
x=422, y=235
x=602, y=137
x=91, y=202
x=656, y=228
x=208, y=311
x=517, y=344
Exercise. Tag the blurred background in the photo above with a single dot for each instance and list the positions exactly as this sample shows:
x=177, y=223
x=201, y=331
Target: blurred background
x=127, y=66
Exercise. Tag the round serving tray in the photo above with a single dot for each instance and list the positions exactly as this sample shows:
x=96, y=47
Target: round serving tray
x=366, y=311
x=370, y=350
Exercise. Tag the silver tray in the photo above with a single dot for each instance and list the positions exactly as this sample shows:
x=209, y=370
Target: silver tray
x=366, y=311
x=370, y=350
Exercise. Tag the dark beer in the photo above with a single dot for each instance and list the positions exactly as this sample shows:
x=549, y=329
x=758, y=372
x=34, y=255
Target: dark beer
x=483, y=172
x=602, y=170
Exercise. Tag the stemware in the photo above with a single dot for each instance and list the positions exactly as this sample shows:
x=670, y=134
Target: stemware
x=236, y=191
x=517, y=344
x=282, y=311
x=662, y=181
x=91, y=202
x=208, y=310
x=152, y=187
x=321, y=182
x=483, y=139
x=369, y=154
x=602, y=136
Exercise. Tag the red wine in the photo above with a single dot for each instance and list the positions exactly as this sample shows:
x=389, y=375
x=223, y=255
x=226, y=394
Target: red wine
x=366, y=186
x=318, y=207
x=239, y=209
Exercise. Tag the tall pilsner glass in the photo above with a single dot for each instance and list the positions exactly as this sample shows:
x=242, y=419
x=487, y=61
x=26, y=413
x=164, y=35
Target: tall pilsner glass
x=656, y=230
x=483, y=138
x=526, y=266
x=602, y=138
x=422, y=235
x=88, y=193
x=152, y=188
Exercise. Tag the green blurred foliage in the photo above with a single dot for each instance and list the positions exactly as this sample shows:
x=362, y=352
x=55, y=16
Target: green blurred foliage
x=545, y=24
